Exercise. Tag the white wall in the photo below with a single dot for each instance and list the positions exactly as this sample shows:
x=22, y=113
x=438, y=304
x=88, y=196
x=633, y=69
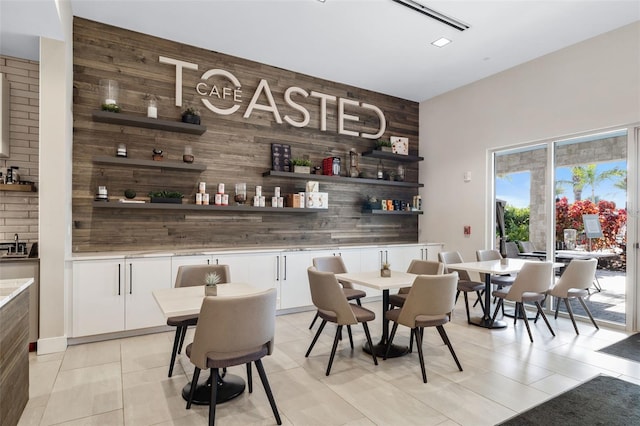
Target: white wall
x=591, y=85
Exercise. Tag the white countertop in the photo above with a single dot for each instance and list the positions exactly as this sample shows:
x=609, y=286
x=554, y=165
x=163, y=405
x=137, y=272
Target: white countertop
x=10, y=288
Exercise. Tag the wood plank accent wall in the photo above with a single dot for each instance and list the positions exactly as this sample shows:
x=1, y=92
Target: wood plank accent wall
x=233, y=148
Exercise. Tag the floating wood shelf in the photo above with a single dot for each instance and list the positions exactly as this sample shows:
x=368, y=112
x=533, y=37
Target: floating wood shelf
x=17, y=187
x=392, y=212
x=384, y=155
x=124, y=161
x=147, y=123
x=194, y=207
x=340, y=179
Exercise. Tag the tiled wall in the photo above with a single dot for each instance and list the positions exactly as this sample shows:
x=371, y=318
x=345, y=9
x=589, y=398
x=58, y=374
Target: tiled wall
x=19, y=210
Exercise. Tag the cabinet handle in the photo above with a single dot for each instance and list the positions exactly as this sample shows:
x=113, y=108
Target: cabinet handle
x=277, y=268
x=119, y=278
x=285, y=268
x=422, y=254
x=217, y=261
x=209, y=261
x=131, y=278
x=381, y=260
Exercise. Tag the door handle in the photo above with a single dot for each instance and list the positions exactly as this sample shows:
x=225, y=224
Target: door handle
x=119, y=278
x=131, y=278
x=277, y=268
x=285, y=268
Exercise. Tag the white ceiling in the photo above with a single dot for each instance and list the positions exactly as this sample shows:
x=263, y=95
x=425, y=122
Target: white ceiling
x=373, y=44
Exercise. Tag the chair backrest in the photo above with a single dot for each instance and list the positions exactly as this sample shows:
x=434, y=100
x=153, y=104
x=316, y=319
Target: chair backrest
x=512, y=249
x=482, y=255
x=429, y=295
x=234, y=325
x=327, y=295
x=451, y=257
x=425, y=267
x=535, y=277
x=333, y=264
x=192, y=275
x=579, y=274
x=527, y=246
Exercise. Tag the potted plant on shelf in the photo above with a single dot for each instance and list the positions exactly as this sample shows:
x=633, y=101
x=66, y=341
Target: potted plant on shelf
x=191, y=115
x=385, y=271
x=173, y=197
x=211, y=281
x=384, y=145
x=301, y=165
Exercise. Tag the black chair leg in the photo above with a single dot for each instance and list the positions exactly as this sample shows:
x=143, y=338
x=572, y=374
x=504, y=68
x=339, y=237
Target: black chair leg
x=390, y=341
x=333, y=349
x=358, y=302
x=315, y=338
x=544, y=317
x=495, y=313
x=411, y=341
x=584, y=305
x=416, y=333
x=174, y=352
x=249, y=377
x=194, y=383
x=466, y=306
x=366, y=333
x=570, y=311
x=214, y=396
x=182, y=336
x=314, y=321
x=350, y=336
x=525, y=319
x=267, y=389
x=445, y=339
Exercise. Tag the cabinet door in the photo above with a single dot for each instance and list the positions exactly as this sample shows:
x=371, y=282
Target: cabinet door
x=371, y=259
x=143, y=276
x=401, y=256
x=258, y=269
x=432, y=250
x=350, y=257
x=98, y=297
x=177, y=261
x=294, y=280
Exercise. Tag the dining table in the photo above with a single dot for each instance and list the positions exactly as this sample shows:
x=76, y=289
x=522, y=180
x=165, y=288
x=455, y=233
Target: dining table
x=373, y=279
x=179, y=301
x=504, y=266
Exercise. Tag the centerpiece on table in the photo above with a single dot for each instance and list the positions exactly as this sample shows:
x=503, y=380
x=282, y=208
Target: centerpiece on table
x=385, y=271
x=211, y=281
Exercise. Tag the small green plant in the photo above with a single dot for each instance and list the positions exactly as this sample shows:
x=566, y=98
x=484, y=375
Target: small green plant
x=386, y=265
x=383, y=142
x=166, y=194
x=301, y=162
x=212, y=278
x=110, y=107
x=191, y=110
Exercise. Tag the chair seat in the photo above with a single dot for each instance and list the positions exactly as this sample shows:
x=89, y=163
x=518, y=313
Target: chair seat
x=527, y=296
x=183, y=320
x=572, y=292
x=361, y=314
x=420, y=320
x=228, y=359
x=397, y=299
x=464, y=285
x=502, y=280
x=352, y=293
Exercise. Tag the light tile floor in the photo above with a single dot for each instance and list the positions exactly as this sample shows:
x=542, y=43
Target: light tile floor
x=124, y=381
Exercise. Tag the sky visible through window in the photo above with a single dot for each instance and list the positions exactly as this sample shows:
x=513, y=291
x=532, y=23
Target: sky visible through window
x=514, y=188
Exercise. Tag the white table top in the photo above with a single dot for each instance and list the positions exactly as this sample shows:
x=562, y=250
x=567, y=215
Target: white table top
x=495, y=266
x=188, y=300
x=374, y=280
x=10, y=288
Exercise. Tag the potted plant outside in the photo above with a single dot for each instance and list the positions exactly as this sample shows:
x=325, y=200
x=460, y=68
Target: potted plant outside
x=384, y=145
x=301, y=165
x=172, y=197
x=191, y=115
x=211, y=281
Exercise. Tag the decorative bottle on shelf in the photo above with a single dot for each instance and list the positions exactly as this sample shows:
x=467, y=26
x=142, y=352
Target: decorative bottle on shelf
x=380, y=174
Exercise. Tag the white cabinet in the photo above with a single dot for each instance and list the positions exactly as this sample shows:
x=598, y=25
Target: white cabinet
x=294, y=280
x=178, y=261
x=115, y=294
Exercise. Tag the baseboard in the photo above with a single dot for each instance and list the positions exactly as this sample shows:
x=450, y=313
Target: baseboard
x=52, y=345
x=119, y=335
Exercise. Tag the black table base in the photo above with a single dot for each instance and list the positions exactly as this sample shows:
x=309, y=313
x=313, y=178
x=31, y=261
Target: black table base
x=380, y=349
x=229, y=387
x=486, y=323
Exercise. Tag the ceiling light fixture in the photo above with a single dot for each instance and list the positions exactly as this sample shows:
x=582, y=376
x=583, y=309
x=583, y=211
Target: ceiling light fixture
x=447, y=20
x=441, y=42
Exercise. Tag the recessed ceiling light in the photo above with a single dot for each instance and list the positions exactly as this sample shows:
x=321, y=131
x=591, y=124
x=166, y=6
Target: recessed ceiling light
x=441, y=42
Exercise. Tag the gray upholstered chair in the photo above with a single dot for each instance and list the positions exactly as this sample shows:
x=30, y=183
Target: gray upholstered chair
x=574, y=284
x=429, y=304
x=328, y=297
x=465, y=284
x=336, y=265
x=191, y=275
x=418, y=267
x=512, y=249
x=233, y=331
x=526, y=246
x=531, y=285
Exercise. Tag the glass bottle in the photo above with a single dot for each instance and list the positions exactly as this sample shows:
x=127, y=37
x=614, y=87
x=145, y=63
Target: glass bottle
x=380, y=170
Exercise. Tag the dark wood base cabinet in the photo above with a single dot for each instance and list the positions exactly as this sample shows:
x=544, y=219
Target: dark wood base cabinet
x=14, y=359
